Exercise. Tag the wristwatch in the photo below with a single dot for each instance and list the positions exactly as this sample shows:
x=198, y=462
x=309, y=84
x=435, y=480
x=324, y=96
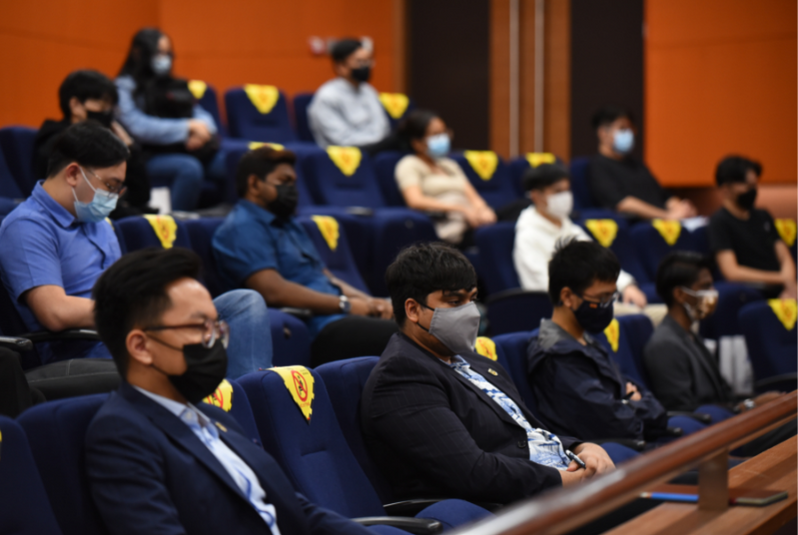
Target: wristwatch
x=749, y=404
x=344, y=305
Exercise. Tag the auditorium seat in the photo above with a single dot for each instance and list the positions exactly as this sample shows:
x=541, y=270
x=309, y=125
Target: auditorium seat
x=315, y=455
x=301, y=102
x=331, y=242
x=770, y=334
x=258, y=113
x=200, y=235
x=9, y=187
x=16, y=143
x=385, y=168
x=208, y=99
x=489, y=175
x=583, y=198
x=653, y=240
x=26, y=507
x=518, y=166
x=397, y=106
x=138, y=232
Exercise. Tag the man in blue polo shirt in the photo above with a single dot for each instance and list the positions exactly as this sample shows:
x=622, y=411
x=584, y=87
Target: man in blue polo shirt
x=261, y=246
x=55, y=245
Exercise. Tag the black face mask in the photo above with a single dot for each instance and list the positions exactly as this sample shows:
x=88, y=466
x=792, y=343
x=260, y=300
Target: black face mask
x=746, y=200
x=285, y=203
x=105, y=118
x=205, y=369
x=361, y=74
x=593, y=317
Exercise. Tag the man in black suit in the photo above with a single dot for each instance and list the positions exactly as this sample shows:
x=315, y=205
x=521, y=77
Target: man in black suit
x=158, y=461
x=441, y=420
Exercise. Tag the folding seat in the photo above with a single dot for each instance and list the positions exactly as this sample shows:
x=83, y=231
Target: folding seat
x=138, y=232
x=26, y=508
x=510, y=309
x=258, y=113
x=16, y=144
x=330, y=240
x=770, y=334
x=299, y=429
x=301, y=102
x=489, y=175
x=397, y=106
x=385, y=168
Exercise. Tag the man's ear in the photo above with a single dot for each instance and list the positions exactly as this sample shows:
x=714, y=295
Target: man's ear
x=412, y=310
x=138, y=347
x=72, y=174
x=568, y=297
x=679, y=295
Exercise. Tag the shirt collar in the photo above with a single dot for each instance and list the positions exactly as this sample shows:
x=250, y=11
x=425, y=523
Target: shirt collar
x=547, y=225
x=60, y=214
x=175, y=407
x=550, y=334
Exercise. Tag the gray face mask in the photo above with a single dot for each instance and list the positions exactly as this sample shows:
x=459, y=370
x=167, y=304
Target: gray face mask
x=456, y=328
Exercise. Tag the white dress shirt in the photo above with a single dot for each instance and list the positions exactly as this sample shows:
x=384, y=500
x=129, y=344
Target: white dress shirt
x=242, y=474
x=535, y=240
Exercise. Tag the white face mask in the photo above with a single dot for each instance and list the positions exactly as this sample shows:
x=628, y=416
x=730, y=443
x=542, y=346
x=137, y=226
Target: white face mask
x=560, y=204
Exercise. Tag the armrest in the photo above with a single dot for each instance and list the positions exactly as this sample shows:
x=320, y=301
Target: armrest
x=15, y=343
x=359, y=210
x=413, y=507
x=698, y=416
x=654, y=434
x=417, y=526
x=68, y=334
x=301, y=313
x=633, y=443
x=514, y=292
x=770, y=382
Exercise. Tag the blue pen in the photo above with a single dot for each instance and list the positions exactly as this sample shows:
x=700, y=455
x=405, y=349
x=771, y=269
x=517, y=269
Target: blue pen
x=671, y=497
x=571, y=455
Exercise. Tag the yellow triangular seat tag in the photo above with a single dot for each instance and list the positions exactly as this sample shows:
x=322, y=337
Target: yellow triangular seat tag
x=165, y=228
x=613, y=334
x=197, y=88
x=669, y=229
x=299, y=382
x=347, y=159
x=603, y=230
x=786, y=310
x=395, y=104
x=263, y=97
x=222, y=397
x=252, y=145
x=328, y=227
x=486, y=347
x=786, y=229
x=483, y=162
x=537, y=158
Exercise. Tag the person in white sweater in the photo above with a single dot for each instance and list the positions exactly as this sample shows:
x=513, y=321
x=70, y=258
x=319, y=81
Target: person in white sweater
x=543, y=224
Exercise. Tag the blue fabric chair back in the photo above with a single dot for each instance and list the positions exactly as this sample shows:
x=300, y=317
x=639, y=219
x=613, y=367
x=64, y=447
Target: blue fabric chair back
x=732, y=296
x=26, y=508
x=246, y=122
x=330, y=186
x=583, y=198
x=56, y=431
x=210, y=103
x=339, y=260
x=771, y=347
x=345, y=380
x=624, y=357
x=385, y=167
x=290, y=339
x=241, y=410
x=652, y=247
x=16, y=143
x=498, y=190
x=11, y=324
x=511, y=351
x=517, y=166
x=9, y=187
x=314, y=454
x=136, y=233
x=301, y=102
x=518, y=312
x=200, y=234
x=394, y=122
x=625, y=249
x=637, y=328
x=496, y=244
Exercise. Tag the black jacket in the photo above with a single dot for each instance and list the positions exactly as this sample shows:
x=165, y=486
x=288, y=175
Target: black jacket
x=434, y=434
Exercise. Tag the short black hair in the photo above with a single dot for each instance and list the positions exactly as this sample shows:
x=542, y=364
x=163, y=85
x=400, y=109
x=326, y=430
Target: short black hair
x=734, y=168
x=424, y=268
x=543, y=176
x=415, y=125
x=344, y=48
x=132, y=293
x=88, y=143
x=578, y=264
x=260, y=162
x=84, y=85
x=609, y=114
x=679, y=268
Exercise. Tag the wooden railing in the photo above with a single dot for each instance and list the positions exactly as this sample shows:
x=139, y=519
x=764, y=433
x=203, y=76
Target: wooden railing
x=565, y=509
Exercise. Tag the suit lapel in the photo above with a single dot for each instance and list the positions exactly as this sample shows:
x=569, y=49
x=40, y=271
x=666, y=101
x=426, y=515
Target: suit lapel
x=496, y=380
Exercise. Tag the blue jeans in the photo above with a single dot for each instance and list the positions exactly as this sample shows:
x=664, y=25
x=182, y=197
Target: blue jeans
x=184, y=174
x=250, y=347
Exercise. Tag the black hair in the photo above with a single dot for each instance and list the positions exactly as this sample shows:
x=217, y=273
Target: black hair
x=679, y=268
x=344, y=48
x=734, y=168
x=138, y=63
x=424, y=268
x=609, y=114
x=578, y=264
x=132, y=293
x=84, y=85
x=543, y=176
x=260, y=162
x=88, y=143
x=415, y=125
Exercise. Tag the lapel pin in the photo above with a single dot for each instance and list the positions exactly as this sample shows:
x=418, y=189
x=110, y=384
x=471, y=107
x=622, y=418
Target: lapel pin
x=220, y=426
x=490, y=371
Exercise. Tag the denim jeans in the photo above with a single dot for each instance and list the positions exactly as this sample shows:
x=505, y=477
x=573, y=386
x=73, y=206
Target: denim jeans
x=184, y=174
x=250, y=347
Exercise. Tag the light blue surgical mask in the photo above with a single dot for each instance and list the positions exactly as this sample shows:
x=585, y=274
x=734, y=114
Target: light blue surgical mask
x=103, y=203
x=623, y=141
x=438, y=145
x=162, y=64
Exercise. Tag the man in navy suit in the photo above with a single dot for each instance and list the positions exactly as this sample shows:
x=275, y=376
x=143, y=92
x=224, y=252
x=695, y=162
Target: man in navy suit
x=158, y=460
x=441, y=420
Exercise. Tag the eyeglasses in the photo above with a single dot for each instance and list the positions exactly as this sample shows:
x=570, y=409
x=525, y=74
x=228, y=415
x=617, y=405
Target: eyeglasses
x=117, y=189
x=603, y=303
x=211, y=331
